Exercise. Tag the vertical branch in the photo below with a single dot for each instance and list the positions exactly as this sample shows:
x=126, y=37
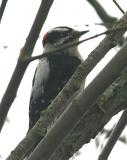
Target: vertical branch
x=114, y=137
x=2, y=8
x=21, y=66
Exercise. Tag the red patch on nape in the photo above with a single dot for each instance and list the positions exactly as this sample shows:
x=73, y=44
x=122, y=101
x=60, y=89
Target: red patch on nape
x=45, y=36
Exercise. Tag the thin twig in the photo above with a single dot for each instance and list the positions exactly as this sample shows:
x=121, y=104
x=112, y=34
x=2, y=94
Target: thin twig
x=2, y=8
x=71, y=44
x=104, y=16
x=118, y=6
x=114, y=137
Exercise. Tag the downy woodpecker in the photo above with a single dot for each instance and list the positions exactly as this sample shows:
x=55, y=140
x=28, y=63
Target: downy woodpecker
x=54, y=70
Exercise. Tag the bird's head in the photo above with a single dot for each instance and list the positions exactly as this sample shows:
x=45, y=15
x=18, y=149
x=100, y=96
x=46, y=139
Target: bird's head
x=60, y=36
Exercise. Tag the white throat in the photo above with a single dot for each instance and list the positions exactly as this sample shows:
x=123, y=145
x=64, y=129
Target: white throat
x=72, y=51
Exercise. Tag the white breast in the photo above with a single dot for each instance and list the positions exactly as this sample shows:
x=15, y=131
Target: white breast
x=41, y=76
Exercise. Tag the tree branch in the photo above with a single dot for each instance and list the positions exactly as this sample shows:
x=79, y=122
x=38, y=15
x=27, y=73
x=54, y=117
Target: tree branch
x=73, y=114
x=21, y=66
x=71, y=44
x=118, y=6
x=104, y=16
x=114, y=137
x=112, y=101
x=2, y=8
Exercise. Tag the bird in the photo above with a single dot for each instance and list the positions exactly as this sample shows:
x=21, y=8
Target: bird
x=54, y=70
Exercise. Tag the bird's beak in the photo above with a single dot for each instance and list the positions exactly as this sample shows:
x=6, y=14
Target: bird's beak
x=82, y=32
x=78, y=34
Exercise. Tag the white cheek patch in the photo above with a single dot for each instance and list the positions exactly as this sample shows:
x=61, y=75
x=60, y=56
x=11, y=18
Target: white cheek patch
x=41, y=76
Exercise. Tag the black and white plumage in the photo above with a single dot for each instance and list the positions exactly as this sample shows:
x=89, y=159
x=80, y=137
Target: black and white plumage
x=53, y=71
